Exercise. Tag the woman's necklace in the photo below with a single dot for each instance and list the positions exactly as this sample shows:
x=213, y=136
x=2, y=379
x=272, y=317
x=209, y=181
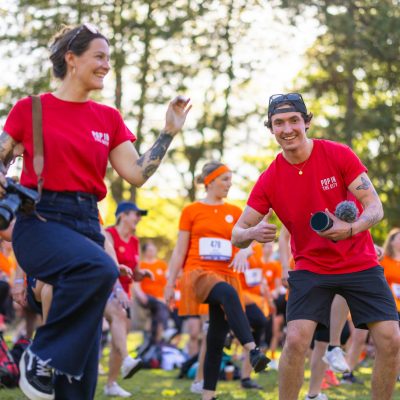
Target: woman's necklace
x=300, y=169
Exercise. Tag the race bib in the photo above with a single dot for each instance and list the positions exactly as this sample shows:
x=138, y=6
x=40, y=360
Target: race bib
x=396, y=290
x=253, y=276
x=215, y=249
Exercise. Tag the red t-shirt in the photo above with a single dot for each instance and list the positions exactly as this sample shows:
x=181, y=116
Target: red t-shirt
x=77, y=139
x=294, y=198
x=127, y=254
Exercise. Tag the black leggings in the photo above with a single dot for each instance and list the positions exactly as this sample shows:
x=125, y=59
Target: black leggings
x=257, y=321
x=223, y=302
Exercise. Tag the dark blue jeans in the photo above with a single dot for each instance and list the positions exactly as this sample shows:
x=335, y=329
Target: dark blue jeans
x=67, y=252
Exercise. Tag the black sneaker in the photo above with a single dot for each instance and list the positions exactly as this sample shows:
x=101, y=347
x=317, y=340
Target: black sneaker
x=248, y=383
x=348, y=379
x=258, y=360
x=228, y=341
x=36, y=377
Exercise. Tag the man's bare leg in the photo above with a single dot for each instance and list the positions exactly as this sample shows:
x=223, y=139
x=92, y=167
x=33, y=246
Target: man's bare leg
x=291, y=363
x=386, y=337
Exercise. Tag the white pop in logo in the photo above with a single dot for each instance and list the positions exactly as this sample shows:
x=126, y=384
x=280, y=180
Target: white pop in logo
x=103, y=138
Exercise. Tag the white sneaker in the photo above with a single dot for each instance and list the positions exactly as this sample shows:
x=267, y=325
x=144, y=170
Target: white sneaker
x=320, y=396
x=130, y=366
x=197, y=387
x=273, y=364
x=336, y=361
x=169, y=334
x=116, y=391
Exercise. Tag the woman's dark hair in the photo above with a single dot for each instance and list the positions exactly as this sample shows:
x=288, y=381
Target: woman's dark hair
x=388, y=246
x=207, y=169
x=146, y=244
x=68, y=38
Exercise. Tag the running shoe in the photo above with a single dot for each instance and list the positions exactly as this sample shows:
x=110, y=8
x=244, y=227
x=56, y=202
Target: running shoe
x=248, y=383
x=336, y=361
x=36, y=377
x=169, y=334
x=258, y=360
x=274, y=365
x=331, y=378
x=197, y=387
x=320, y=396
x=115, y=390
x=130, y=366
x=325, y=384
x=349, y=379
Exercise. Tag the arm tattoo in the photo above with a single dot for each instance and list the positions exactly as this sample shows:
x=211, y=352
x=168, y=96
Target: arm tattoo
x=364, y=185
x=7, y=144
x=150, y=160
x=371, y=216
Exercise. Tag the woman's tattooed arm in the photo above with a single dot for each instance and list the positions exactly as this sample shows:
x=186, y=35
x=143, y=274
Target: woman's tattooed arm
x=150, y=160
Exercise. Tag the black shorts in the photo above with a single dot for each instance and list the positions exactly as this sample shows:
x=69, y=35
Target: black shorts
x=366, y=292
x=322, y=334
x=280, y=303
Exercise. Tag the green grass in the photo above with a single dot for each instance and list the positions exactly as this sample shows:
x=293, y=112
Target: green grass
x=162, y=385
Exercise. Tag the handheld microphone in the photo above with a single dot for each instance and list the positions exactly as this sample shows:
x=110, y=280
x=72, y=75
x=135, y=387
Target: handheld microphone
x=347, y=211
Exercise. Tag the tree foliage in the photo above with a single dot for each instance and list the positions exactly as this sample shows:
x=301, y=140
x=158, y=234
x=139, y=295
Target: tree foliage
x=352, y=72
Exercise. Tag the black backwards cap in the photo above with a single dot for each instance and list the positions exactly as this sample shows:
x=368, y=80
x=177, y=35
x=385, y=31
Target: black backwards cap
x=295, y=103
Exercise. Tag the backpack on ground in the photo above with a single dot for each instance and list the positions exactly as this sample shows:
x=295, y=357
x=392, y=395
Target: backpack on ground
x=9, y=372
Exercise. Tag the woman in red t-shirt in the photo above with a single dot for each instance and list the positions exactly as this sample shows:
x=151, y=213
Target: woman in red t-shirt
x=205, y=253
x=62, y=244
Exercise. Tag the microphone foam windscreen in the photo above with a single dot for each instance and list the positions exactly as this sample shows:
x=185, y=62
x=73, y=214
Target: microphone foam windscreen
x=347, y=211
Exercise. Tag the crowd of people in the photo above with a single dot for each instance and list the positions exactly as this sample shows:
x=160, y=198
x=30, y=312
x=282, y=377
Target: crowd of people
x=233, y=274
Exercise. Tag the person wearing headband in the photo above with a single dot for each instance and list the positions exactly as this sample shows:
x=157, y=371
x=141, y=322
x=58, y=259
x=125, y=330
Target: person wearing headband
x=62, y=244
x=210, y=272
x=307, y=176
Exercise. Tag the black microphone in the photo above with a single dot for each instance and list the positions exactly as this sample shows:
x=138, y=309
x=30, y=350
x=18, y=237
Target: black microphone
x=320, y=221
x=347, y=211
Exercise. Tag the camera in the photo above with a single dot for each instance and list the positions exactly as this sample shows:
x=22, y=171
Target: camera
x=17, y=198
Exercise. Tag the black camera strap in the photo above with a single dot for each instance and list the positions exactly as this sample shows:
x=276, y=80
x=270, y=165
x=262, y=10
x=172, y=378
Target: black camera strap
x=38, y=158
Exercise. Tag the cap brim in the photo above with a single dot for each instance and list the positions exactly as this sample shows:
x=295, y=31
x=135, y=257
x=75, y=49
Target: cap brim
x=143, y=213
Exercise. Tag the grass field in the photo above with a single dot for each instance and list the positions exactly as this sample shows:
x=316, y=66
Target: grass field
x=162, y=385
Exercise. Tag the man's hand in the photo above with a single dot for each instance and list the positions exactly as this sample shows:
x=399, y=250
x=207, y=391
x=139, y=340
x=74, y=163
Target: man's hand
x=125, y=271
x=169, y=295
x=264, y=232
x=121, y=297
x=18, y=293
x=140, y=274
x=285, y=276
x=340, y=230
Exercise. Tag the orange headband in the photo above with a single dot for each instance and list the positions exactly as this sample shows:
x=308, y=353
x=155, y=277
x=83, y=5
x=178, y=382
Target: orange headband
x=217, y=172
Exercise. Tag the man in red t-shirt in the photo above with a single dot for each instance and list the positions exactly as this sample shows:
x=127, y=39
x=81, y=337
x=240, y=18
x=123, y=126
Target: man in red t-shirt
x=308, y=176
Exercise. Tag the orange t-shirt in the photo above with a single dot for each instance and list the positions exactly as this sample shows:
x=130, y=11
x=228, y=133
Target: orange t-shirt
x=5, y=265
x=271, y=271
x=155, y=288
x=207, y=222
x=392, y=274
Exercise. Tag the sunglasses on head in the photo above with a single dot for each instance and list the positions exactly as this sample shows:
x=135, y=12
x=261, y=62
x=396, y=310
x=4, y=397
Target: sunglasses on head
x=294, y=98
x=90, y=27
